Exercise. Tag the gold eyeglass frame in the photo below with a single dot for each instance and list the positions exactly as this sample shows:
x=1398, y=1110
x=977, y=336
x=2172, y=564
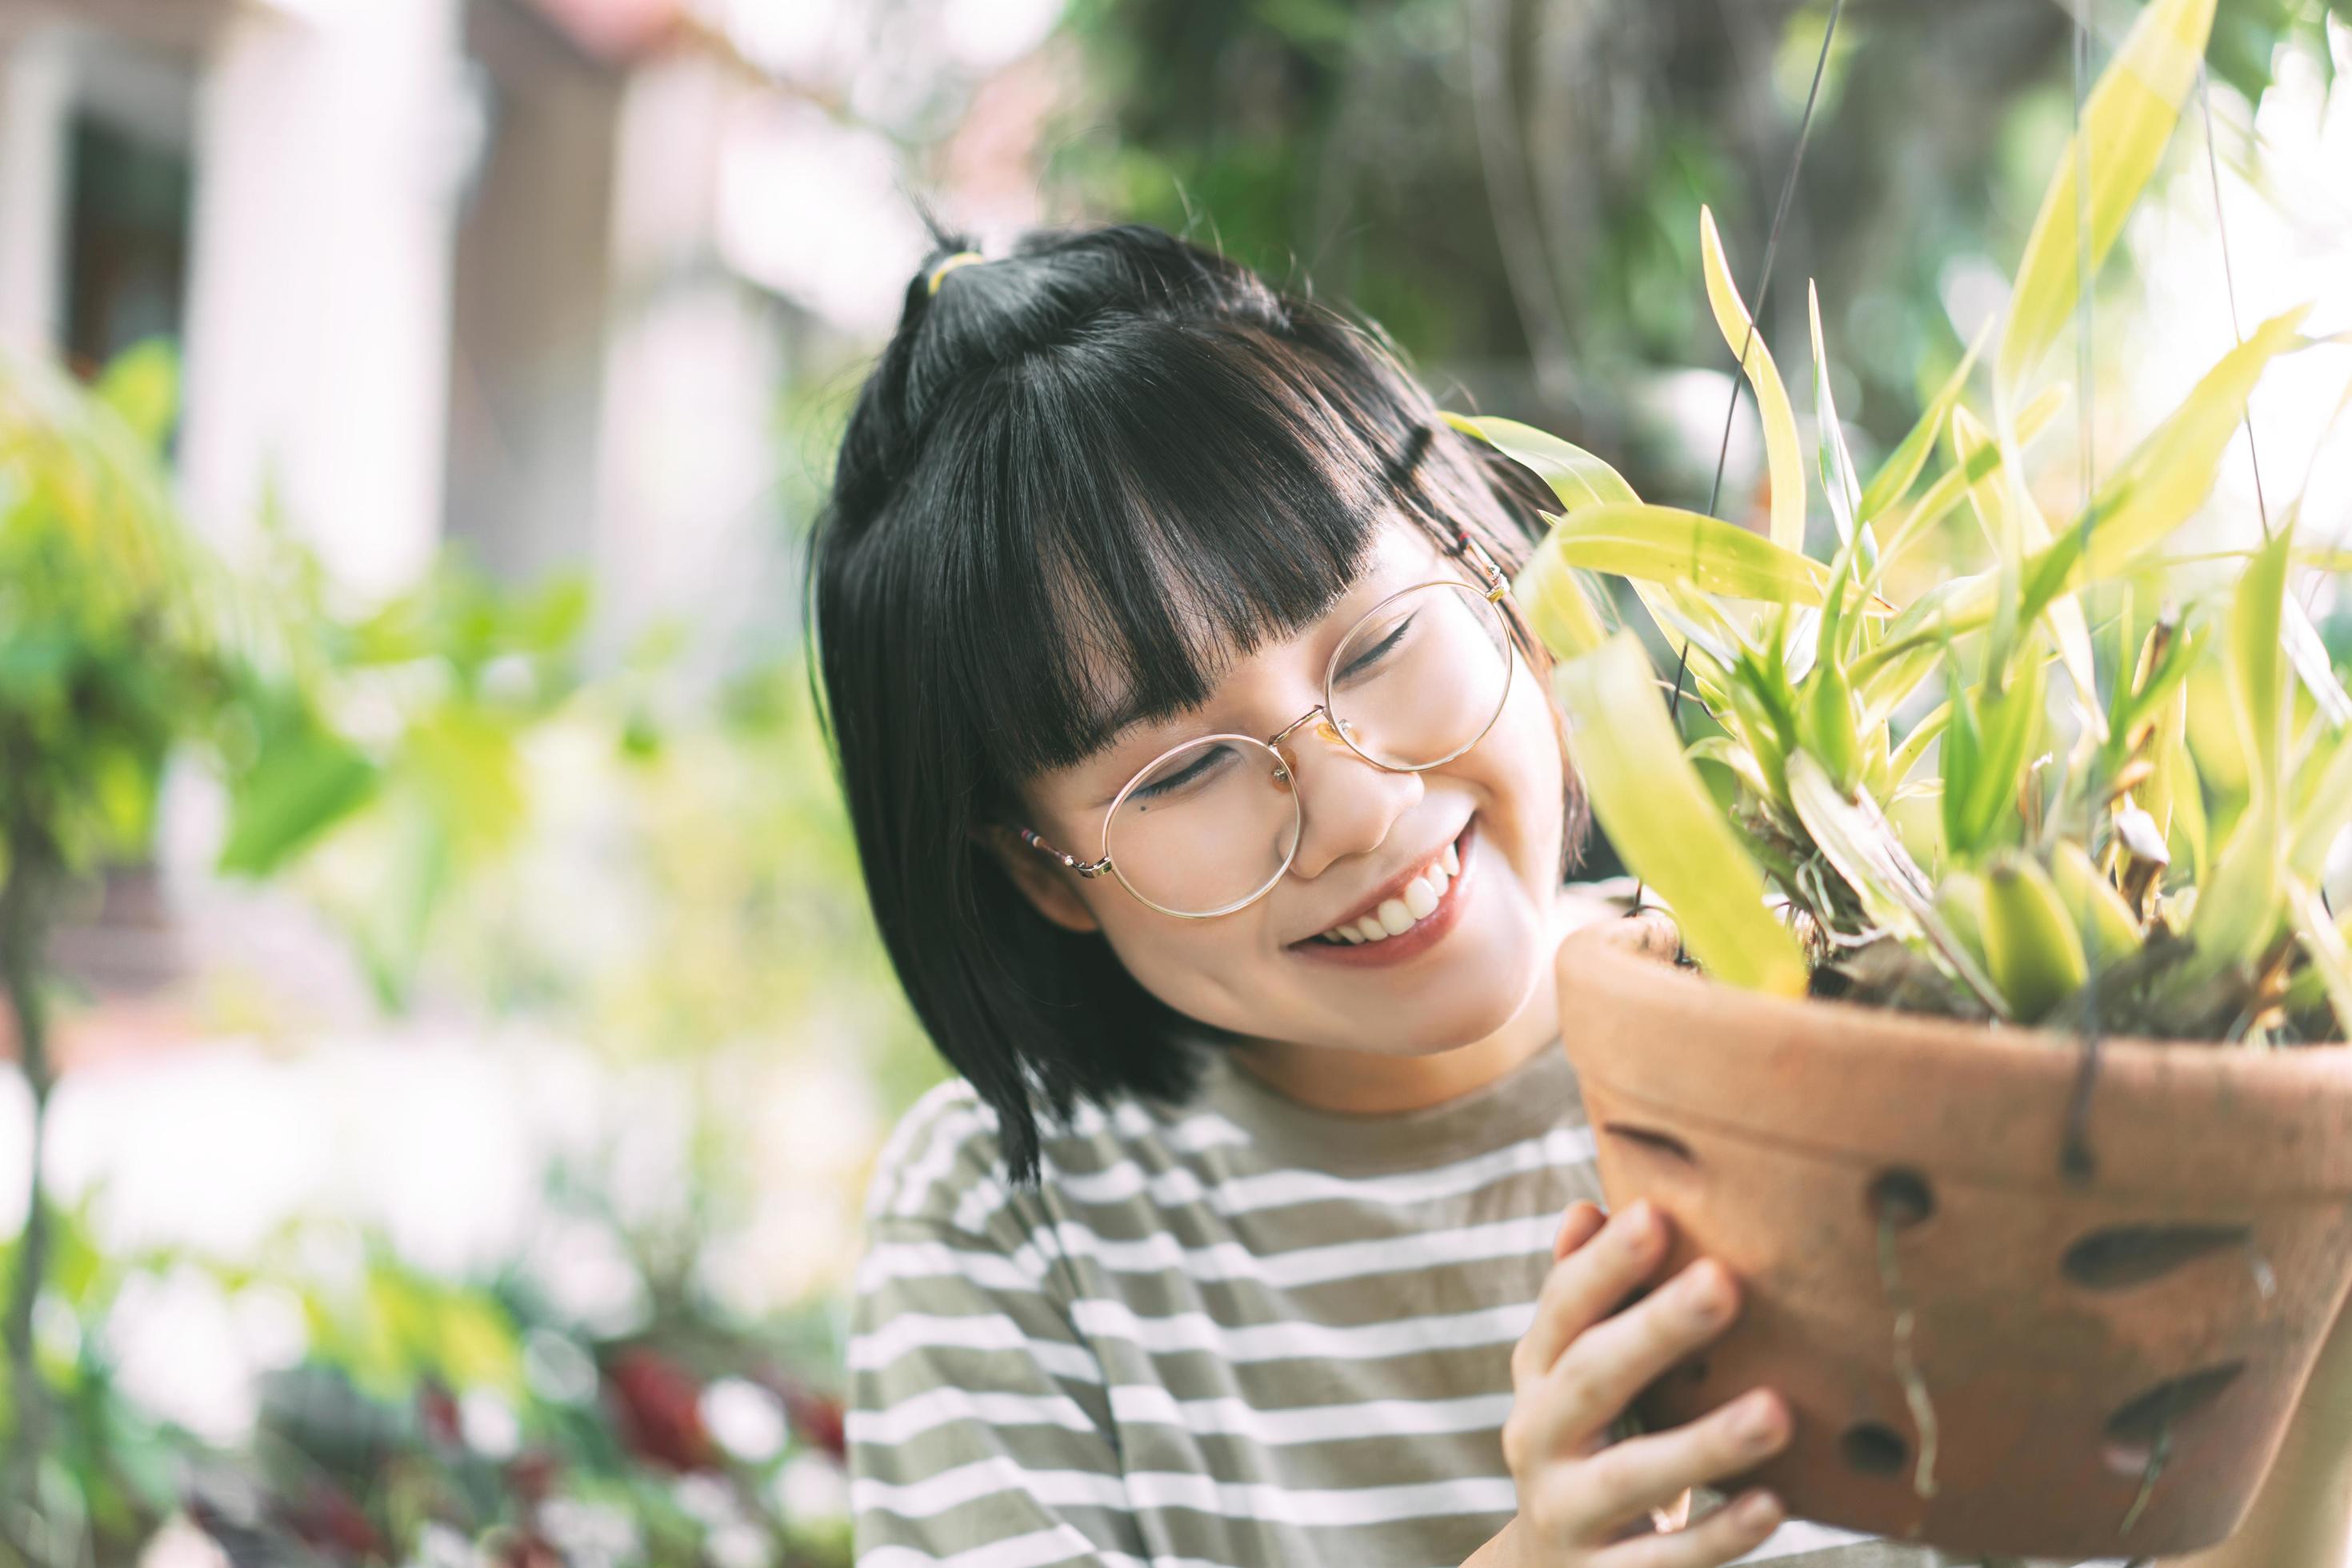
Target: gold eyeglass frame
x=1496, y=587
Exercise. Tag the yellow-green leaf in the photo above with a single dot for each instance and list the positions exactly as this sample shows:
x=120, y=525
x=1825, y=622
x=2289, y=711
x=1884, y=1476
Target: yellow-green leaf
x=2169, y=475
x=1836, y=463
x=1554, y=600
x=1665, y=825
x=1952, y=486
x=2126, y=122
x=1578, y=477
x=2323, y=939
x=2031, y=944
x=1783, y=463
x=1854, y=836
x=1666, y=544
x=1896, y=475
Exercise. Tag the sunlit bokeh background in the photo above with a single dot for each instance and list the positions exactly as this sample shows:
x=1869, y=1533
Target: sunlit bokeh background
x=460, y=1094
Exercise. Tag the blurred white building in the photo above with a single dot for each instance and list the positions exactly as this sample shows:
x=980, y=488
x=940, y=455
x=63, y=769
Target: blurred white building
x=441, y=270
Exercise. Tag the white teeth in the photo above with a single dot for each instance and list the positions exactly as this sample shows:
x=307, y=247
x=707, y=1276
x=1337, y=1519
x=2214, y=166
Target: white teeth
x=1417, y=902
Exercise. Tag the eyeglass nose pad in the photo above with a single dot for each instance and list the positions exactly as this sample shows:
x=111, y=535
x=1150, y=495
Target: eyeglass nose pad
x=1286, y=769
x=1335, y=733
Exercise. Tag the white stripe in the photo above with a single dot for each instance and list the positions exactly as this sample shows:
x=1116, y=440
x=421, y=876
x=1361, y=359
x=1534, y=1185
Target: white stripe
x=986, y=1478
x=990, y=1332
x=1231, y=1261
x=1059, y=1544
x=918, y=1413
x=1020, y=1272
x=1201, y=1131
x=1149, y=1405
x=1288, y=1340
x=1322, y=1508
x=938, y=1155
x=1025, y=1267
x=1561, y=1148
x=1307, y=1508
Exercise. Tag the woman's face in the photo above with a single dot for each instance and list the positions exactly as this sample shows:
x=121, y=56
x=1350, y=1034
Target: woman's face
x=1457, y=974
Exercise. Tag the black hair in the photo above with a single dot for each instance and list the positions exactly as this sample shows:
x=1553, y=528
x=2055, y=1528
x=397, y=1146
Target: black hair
x=1109, y=447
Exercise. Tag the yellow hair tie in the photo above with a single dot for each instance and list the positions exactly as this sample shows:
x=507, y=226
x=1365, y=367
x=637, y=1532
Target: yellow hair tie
x=961, y=258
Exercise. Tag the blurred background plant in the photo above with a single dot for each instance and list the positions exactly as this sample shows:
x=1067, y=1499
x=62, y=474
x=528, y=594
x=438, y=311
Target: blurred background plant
x=466, y=1045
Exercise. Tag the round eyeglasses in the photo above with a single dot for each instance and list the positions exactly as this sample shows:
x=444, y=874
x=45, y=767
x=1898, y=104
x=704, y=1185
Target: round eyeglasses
x=1211, y=826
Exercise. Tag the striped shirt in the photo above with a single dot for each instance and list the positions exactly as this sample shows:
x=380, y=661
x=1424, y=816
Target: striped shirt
x=1235, y=1333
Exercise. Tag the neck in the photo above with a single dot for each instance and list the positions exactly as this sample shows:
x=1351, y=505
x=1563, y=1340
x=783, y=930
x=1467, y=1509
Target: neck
x=1374, y=1083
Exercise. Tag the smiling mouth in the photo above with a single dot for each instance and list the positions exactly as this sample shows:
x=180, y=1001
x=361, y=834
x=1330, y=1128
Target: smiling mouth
x=1400, y=913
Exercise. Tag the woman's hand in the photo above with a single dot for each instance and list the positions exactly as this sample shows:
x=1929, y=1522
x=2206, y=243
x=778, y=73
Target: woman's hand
x=1580, y=1365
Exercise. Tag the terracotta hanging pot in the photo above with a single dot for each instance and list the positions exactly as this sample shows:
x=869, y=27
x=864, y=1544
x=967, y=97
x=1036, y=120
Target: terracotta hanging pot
x=2101, y=1352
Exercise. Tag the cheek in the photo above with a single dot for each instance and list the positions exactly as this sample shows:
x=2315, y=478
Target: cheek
x=1524, y=775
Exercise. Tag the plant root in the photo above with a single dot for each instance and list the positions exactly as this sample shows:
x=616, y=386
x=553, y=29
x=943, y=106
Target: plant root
x=1907, y=1364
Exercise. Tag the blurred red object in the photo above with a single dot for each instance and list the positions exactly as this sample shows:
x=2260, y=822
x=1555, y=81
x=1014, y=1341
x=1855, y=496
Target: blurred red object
x=326, y=1516
x=816, y=1418
x=658, y=1406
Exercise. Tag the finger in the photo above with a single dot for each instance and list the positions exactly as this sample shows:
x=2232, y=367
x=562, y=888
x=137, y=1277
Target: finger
x=1630, y=1479
x=1724, y=1536
x=1586, y=1285
x=1601, y=1371
x=1579, y=1225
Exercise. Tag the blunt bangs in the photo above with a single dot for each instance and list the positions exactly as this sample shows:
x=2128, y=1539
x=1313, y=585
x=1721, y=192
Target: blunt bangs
x=1139, y=512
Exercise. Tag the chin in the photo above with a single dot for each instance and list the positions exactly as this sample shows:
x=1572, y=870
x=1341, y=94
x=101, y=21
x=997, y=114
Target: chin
x=1477, y=994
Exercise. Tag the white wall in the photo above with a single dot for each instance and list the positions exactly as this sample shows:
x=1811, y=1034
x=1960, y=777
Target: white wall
x=331, y=143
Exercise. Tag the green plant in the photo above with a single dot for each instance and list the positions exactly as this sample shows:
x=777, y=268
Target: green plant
x=2132, y=841
x=125, y=644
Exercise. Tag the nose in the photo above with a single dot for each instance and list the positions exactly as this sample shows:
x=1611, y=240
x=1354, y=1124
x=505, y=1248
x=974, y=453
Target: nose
x=1346, y=804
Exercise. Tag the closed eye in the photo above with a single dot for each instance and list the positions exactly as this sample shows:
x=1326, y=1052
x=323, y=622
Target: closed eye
x=1379, y=650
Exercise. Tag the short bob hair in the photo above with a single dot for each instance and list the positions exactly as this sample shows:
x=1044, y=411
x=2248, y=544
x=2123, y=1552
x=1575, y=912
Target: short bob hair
x=1111, y=448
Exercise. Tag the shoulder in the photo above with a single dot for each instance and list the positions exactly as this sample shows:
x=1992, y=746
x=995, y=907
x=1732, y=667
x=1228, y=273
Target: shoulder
x=943, y=1166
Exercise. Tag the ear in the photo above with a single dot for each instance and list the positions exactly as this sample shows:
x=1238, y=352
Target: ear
x=1051, y=887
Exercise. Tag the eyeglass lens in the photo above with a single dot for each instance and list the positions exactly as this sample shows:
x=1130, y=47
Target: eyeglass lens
x=1213, y=824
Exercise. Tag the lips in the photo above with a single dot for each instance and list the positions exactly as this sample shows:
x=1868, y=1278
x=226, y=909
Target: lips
x=1444, y=879
x=1412, y=898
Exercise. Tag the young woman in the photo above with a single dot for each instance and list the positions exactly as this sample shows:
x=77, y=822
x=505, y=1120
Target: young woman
x=1215, y=814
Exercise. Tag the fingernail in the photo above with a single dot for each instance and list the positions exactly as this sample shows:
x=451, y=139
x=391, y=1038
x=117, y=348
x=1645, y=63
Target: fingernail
x=1641, y=1221
x=1756, y=1419
x=1759, y=1509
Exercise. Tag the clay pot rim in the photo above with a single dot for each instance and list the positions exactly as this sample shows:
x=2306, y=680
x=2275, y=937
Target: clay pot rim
x=2261, y=1123
x=1597, y=957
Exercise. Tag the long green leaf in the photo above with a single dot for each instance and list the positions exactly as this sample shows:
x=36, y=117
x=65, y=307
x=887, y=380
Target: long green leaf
x=2331, y=957
x=2238, y=909
x=1896, y=474
x=1663, y=822
x=1836, y=463
x=2168, y=476
x=2126, y=122
x=1578, y=477
x=1558, y=605
x=1783, y=465
x=1854, y=836
x=1666, y=544
x=1951, y=487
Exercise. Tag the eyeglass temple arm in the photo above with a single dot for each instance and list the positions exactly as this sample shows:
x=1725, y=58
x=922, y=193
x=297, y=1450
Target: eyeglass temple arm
x=1086, y=869
x=1498, y=584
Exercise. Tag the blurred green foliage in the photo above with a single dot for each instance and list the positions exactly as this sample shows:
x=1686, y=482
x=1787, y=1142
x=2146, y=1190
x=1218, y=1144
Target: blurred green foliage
x=1512, y=186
